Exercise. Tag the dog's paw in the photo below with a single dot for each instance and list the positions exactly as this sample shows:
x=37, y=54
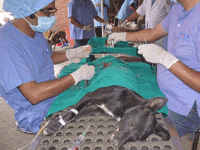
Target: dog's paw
x=53, y=126
x=59, y=122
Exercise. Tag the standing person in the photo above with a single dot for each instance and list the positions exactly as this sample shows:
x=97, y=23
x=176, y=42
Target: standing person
x=178, y=72
x=81, y=14
x=127, y=8
x=97, y=24
x=154, y=11
x=27, y=80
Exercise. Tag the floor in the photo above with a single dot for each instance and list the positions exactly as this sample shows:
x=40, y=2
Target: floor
x=12, y=139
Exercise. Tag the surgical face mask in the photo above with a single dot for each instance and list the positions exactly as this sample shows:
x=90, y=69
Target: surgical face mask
x=175, y=1
x=44, y=24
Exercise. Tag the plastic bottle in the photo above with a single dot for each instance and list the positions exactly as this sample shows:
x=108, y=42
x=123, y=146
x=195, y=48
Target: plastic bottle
x=116, y=22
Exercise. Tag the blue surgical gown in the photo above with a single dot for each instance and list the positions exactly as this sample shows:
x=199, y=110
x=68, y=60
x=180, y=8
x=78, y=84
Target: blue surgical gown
x=183, y=28
x=24, y=59
x=84, y=12
x=125, y=10
x=107, y=2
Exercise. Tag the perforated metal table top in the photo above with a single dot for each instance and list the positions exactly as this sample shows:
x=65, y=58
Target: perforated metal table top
x=98, y=136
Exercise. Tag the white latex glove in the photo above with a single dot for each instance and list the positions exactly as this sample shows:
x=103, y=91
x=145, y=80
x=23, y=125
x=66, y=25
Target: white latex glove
x=131, y=25
x=85, y=72
x=79, y=52
x=156, y=54
x=88, y=27
x=58, y=67
x=109, y=26
x=116, y=37
x=124, y=24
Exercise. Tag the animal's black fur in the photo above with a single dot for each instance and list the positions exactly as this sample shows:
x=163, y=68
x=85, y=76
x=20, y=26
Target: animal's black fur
x=137, y=115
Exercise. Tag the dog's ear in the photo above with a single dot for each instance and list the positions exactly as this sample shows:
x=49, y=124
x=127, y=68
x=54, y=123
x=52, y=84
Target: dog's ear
x=162, y=132
x=153, y=104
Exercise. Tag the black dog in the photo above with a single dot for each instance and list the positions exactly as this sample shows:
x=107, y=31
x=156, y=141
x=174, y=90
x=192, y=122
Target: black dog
x=135, y=115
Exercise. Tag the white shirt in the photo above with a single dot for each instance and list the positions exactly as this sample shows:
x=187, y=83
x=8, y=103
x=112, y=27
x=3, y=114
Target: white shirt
x=154, y=14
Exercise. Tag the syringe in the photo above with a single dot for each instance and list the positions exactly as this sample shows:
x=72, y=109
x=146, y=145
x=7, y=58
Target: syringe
x=79, y=140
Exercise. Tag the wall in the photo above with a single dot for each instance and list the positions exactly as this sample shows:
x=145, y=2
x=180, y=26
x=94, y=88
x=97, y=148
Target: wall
x=1, y=5
x=62, y=19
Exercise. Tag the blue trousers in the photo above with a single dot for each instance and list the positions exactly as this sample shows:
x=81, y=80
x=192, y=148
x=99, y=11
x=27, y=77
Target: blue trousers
x=186, y=124
x=81, y=42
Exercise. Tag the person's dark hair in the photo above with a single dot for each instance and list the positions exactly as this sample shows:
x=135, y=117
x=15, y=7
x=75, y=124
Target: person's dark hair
x=1, y=25
x=32, y=16
x=133, y=5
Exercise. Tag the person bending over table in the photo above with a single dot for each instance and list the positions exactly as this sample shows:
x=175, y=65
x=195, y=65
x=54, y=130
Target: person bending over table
x=27, y=62
x=178, y=71
x=127, y=8
x=154, y=11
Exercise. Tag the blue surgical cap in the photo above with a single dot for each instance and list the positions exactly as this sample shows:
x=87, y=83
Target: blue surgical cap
x=19, y=8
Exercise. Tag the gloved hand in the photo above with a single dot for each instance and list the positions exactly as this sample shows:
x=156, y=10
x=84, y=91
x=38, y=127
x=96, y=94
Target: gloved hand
x=85, y=72
x=79, y=52
x=124, y=24
x=131, y=25
x=109, y=26
x=156, y=54
x=88, y=27
x=116, y=37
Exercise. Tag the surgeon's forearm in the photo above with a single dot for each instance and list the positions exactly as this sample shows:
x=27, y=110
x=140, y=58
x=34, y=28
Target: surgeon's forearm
x=121, y=29
x=132, y=17
x=147, y=35
x=76, y=23
x=97, y=18
x=189, y=76
x=59, y=57
x=37, y=92
x=140, y=36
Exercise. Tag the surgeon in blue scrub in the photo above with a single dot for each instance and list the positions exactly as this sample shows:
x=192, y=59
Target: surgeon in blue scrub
x=127, y=8
x=27, y=80
x=81, y=14
x=178, y=72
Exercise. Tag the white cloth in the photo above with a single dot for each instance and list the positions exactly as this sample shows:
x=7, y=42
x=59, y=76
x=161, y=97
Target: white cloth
x=154, y=14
